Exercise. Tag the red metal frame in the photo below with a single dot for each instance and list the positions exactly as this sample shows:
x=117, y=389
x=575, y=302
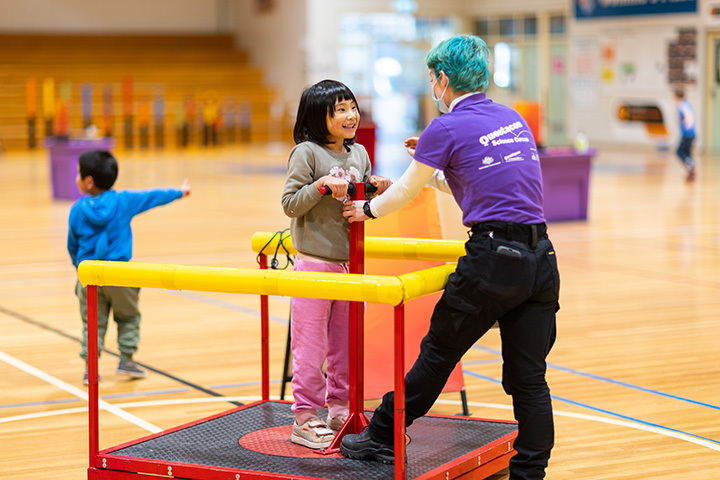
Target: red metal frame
x=399, y=418
x=479, y=463
x=356, y=339
x=93, y=394
x=106, y=466
x=264, y=338
x=117, y=467
x=486, y=460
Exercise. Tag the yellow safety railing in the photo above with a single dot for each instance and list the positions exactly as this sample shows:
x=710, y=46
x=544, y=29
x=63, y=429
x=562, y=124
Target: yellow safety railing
x=427, y=249
x=338, y=286
x=391, y=290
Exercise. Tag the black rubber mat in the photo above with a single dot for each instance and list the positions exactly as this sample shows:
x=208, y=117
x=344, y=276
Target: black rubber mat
x=435, y=441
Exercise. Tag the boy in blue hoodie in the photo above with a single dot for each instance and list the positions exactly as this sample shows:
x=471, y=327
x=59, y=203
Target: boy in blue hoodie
x=99, y=229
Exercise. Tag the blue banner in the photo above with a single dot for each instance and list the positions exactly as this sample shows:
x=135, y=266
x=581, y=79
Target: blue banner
x=613, y=8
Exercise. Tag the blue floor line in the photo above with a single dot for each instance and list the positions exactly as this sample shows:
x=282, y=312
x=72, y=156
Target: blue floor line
x=227, y=305
x=482, y=362
x=610, y=380
x=573, y=371
x=607, y=412
x=35, y=404
x=143, y=394
x=243, y=384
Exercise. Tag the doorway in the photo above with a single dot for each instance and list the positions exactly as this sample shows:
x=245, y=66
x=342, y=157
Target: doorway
x=711, y=128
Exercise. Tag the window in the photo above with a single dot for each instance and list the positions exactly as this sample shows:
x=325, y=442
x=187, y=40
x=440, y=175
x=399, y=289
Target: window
x=557, y=25
x=507, y=27
x=482, y=27
x=530, y=26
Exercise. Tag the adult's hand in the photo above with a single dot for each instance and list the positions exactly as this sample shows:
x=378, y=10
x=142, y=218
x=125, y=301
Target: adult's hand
x=381, y=183
x=411, y=144
x=353, y=211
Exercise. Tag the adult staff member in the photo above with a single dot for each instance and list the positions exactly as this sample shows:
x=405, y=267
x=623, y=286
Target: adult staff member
x=484, y=154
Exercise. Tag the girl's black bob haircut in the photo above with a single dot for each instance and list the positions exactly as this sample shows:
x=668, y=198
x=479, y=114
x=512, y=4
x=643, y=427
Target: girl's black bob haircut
x=316, y=103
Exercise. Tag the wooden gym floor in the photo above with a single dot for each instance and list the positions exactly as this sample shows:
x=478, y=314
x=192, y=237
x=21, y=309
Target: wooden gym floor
x=635, y=372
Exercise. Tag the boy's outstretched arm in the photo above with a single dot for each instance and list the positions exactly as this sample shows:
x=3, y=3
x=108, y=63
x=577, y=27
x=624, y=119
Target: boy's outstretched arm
x=185, y=188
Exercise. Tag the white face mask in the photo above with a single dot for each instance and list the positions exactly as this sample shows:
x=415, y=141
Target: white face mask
x=439, y=103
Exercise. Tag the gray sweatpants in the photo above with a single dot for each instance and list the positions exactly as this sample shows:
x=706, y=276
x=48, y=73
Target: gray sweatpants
x=124, y=304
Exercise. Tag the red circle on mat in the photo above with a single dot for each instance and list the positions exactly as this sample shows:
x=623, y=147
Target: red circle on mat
x=276, y=441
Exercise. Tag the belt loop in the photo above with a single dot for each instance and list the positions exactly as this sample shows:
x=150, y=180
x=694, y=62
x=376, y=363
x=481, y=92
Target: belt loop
x=534, y=233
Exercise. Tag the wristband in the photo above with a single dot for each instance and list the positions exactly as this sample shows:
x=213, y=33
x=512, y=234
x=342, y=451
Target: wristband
x=367, y=211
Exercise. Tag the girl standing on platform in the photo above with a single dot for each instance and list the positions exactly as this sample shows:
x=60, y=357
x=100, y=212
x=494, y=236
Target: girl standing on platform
x=325, y=155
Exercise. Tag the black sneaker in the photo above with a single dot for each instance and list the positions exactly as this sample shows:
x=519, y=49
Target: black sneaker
x=130, y=369
x=361, y=447
x=86, y=378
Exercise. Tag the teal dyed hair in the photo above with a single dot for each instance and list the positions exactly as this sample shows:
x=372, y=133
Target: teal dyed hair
x=465, y=60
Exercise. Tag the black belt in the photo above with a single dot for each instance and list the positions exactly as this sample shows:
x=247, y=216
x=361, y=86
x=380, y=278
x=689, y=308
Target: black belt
x=528, y=233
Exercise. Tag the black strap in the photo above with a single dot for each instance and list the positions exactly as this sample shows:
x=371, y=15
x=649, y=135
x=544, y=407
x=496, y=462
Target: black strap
x=529, y=234
x=274, y=263
x=533, y=235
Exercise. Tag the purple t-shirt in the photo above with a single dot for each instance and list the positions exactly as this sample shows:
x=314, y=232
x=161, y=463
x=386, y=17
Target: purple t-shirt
x=490, y=160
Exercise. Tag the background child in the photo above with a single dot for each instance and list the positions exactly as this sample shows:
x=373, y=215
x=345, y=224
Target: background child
x=325, y=155
x=99, y=229
x=687, y=133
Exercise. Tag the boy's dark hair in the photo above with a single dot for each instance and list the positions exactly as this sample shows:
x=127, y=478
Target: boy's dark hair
x=101, y=165
x=679, y=93
x=316, y=103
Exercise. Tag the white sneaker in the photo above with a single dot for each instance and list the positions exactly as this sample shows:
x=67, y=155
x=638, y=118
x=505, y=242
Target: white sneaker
x=335, y=424
x=313, y=434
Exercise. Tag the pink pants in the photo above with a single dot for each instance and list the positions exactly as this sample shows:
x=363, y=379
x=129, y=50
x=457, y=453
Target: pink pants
x=319, y=331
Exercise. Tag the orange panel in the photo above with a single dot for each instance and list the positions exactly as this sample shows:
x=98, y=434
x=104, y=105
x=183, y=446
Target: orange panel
x=420, y=219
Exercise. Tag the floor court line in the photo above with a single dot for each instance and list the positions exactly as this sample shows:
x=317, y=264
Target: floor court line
x=609, y=380
x=36, y=323
x=672, y=432
x=46, y=377
x=223, y=304
x=227, y=305
x=149, y=393
x=580, y=416
x=629, y=424
x=245, y=310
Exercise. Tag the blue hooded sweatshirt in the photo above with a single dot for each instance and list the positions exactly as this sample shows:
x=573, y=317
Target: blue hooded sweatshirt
x=99, y=225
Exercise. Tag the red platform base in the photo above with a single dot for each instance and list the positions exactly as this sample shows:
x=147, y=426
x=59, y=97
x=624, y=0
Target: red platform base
x=252, y=442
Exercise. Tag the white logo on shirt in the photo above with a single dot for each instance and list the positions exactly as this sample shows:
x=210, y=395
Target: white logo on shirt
x=515, y=157
x=485, y=140
x=489, y=162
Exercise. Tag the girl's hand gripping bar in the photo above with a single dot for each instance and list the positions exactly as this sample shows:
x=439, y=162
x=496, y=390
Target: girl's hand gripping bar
x=369, y=188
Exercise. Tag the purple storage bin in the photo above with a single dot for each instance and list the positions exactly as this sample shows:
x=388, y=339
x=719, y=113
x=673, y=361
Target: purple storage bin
x=64, y=155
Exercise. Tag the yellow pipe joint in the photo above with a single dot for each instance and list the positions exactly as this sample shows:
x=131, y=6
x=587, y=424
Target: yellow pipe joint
x=425, y=282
